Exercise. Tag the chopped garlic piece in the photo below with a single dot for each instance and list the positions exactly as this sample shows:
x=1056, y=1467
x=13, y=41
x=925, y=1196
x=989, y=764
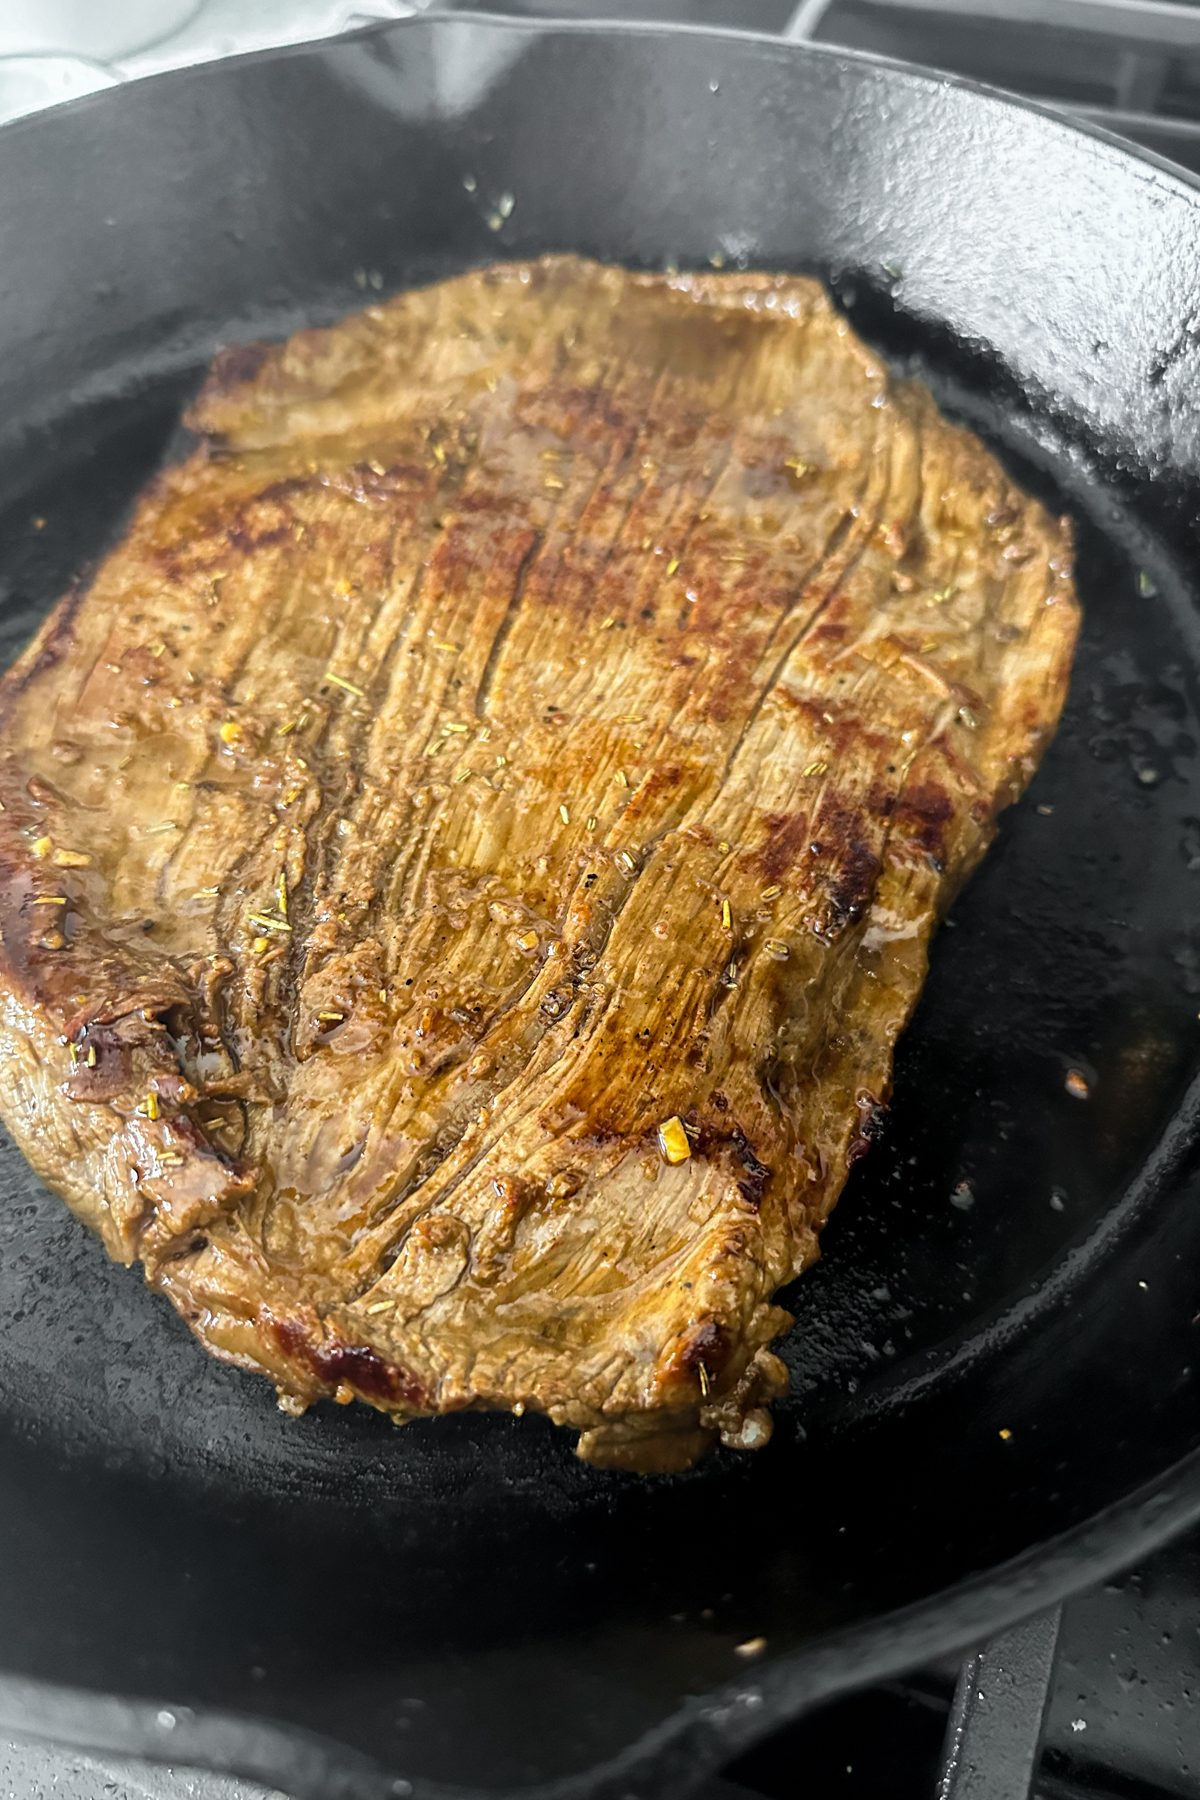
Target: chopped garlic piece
x=673, y=1141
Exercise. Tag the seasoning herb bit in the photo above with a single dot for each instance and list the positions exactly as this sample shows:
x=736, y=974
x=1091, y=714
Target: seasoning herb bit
x=564, y=813
x=1146, y=584
x=230, y=732
x=527, y=940
x=673, y=1140
x=42, y=847
x=624, y=861
x=1005, y=1434
x=608, y=623
x=445, y=644
x=797, y=465
x=50, y=900
x=702, y=1373
x=265, y=922
x=260, y=944
x=331, y=1018
x=772, y=893
x=381, y=1306
x=726, y=915
x=816, y=768
x=672, y=566
x=553, y=483
x=724, y=847
x=1077, y=1084
x=72, y=859
x=454, y=725
x=621, y=778
x=591, y=824
x=967, y=718
x=776, y=949
x=149, y=1106
x=502, y=762
x=163, y=825
x=73, y=1052
x=169, y=1159
x=281, y=894
x=462, y=775
x=91, y=1056
x=350, y=687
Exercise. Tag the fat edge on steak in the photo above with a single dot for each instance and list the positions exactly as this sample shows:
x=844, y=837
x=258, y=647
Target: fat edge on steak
x=470, y=849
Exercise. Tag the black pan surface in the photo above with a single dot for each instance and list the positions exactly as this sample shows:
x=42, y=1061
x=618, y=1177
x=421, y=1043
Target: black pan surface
x=995, y=1393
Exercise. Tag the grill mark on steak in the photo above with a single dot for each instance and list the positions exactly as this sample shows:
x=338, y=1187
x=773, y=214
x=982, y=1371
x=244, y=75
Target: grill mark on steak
x=688, y=599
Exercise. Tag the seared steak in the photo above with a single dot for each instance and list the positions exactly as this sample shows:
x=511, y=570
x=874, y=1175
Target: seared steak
x=467, y=856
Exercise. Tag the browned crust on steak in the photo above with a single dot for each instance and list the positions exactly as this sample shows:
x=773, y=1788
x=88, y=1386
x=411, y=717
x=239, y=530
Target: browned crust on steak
x=542, y=705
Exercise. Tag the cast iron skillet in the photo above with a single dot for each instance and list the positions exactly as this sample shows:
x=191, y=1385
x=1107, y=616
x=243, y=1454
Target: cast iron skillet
x=346, y=1610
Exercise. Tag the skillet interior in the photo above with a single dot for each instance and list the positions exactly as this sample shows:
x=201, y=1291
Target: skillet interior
x=165, y=1535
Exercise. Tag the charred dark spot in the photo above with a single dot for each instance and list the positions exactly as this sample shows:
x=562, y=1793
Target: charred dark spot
x=663, y=778
x=249, y=536
x=358, y=1366
x=753, y=1184
x=238, y=363
x=923, y=813
x=872, y=1122
x=853, y=870
x=785, y=836
x=849, y=893
x=707, y=1348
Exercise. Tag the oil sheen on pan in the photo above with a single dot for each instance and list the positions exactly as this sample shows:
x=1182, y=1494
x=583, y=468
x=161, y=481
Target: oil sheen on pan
x=469, y=852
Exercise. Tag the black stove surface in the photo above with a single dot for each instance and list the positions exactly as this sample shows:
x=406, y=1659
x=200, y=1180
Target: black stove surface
x=1100, y=1701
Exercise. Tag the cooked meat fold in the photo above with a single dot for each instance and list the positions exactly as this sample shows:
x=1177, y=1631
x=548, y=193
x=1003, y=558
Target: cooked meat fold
x=468, y=853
